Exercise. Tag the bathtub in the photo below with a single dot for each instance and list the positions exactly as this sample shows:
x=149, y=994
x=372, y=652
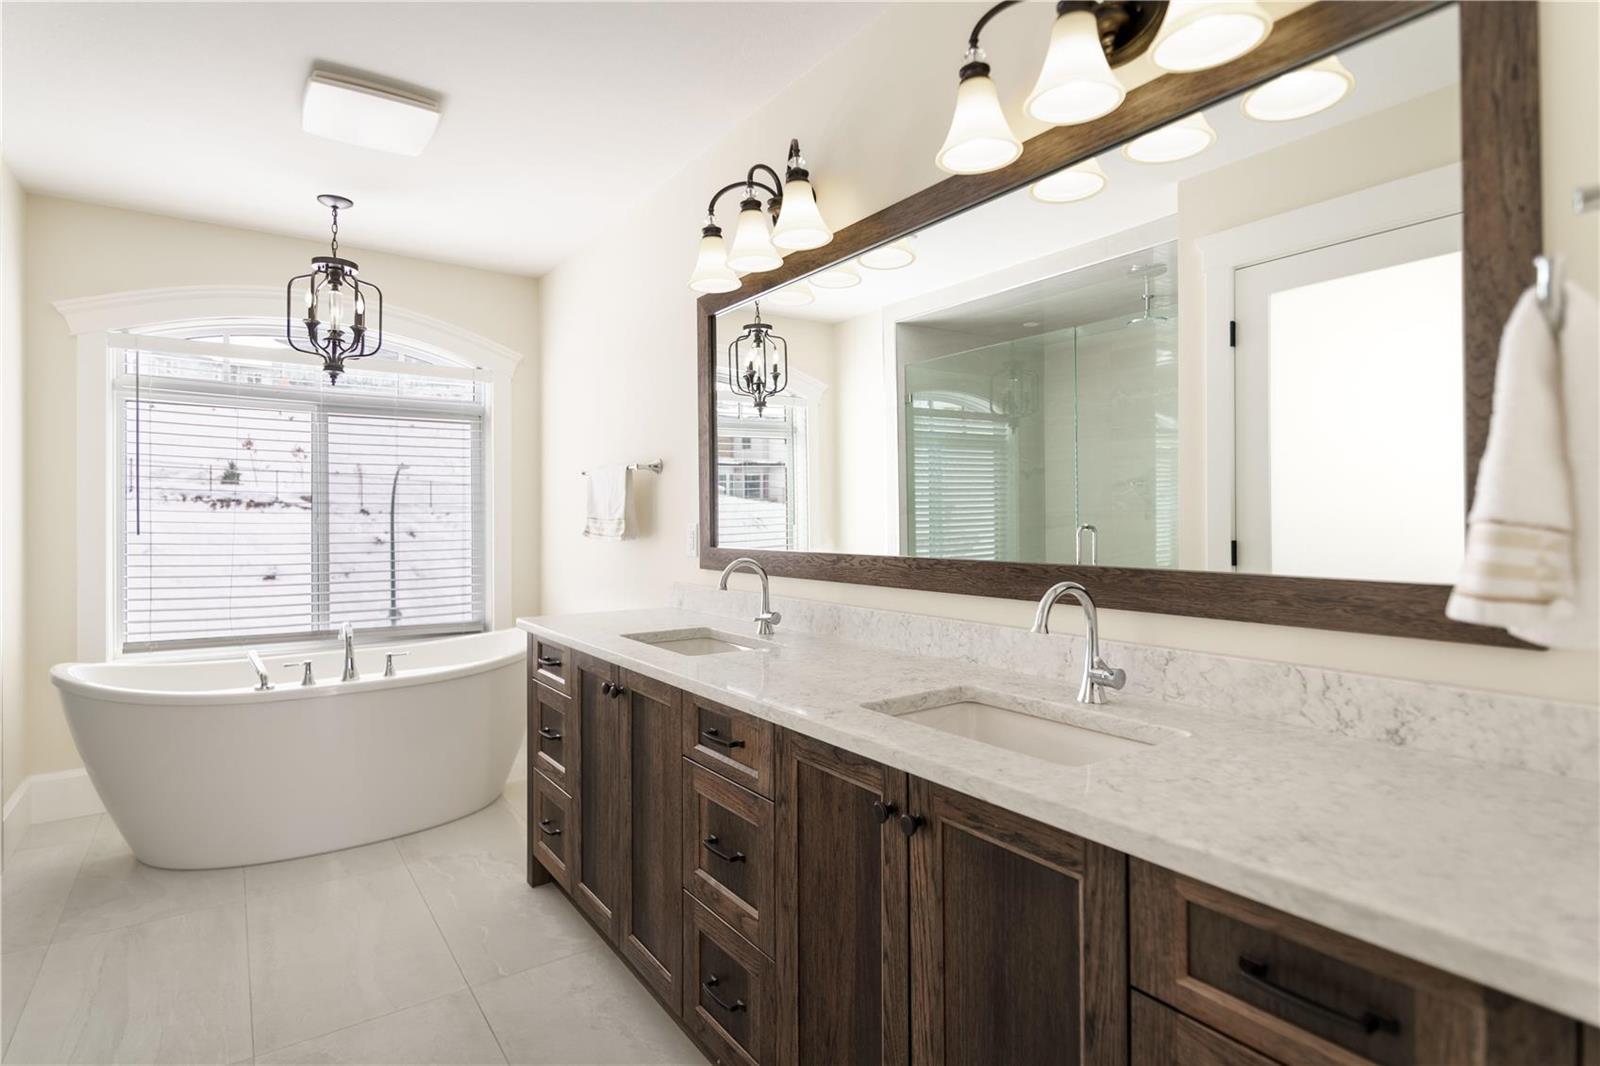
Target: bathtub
x=199, y=770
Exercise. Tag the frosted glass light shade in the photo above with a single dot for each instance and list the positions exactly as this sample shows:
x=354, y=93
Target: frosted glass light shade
x=1075, y=84
x=980, y=139
x=753, y=251
x=1074, y=183
x=1300, y=93
x=800, y=224
x=711, y=270
x=1198, y=34
x=1172, y=142
x=888, y=257
x=836, y=278
x=797, y=295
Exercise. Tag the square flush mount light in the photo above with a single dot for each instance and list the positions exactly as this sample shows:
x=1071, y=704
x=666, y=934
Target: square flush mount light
x=342, y=107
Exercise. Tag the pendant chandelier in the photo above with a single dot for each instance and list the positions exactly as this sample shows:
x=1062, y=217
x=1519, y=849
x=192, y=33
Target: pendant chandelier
x=789, y=222
x=764, y=357
x=332, y=305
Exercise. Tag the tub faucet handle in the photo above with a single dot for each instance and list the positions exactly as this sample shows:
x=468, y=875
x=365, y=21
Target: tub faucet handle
x=305, y=678
x=388, y=661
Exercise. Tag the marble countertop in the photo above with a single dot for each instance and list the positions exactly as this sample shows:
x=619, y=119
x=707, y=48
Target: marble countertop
x=1485, y=872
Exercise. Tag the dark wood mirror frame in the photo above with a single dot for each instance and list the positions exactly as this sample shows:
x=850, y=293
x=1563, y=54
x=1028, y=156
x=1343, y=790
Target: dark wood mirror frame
x=1501, y=235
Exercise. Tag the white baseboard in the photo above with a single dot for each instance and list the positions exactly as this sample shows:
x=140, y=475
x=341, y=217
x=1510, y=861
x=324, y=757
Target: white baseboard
x=49, y=798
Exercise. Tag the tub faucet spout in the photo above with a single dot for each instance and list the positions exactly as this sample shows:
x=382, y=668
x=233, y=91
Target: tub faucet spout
x=261, y=670
x=347, y=633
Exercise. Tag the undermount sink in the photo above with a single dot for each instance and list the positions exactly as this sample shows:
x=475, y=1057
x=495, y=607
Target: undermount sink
x=699, y=641
x=1068, y=734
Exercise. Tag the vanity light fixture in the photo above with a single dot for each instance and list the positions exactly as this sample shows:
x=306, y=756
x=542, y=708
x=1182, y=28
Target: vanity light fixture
x=1070, y=185
x=1200, y=34
x=888, y=256
x=797, y=294
x=839, y=277
x=1172, y=142
x=332, y=316
x=1300, y=93
x=764, y=357
x=758, y=245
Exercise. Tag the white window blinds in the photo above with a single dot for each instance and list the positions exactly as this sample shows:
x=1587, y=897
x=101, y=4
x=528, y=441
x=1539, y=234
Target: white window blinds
x=260, y=504
x=961, y=480
x=760, y=474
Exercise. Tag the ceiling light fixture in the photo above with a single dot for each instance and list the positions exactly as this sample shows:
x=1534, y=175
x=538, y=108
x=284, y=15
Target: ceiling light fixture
x=1300, y=93
x=758, y=245
x=765, y=357
x=333, y=305
x=888, y=256
x=1172, y=142
x=1200, y=34
x=362, y=111
x=1070, y=185
x=1075, y=84
x=839, y=277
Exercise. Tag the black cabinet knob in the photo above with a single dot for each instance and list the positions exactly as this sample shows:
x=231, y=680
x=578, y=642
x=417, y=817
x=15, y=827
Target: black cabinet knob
x=605, y=687
x=883, y=811
x=618, y=691
x=910, y=823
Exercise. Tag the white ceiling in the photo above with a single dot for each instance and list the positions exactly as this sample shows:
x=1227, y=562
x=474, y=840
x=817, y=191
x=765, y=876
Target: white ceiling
x=553, y=112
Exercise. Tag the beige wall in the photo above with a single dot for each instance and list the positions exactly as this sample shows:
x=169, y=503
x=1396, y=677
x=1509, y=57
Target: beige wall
x=74, y=249
x=13, y=735
x=870, y=117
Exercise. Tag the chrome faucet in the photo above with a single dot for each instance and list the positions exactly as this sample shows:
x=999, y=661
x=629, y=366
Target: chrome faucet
x=1097, y=676
x=261, y=670
x=347, y=633
x=768, y=617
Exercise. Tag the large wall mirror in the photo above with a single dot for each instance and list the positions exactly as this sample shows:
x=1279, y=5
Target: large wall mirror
x=1218, y=365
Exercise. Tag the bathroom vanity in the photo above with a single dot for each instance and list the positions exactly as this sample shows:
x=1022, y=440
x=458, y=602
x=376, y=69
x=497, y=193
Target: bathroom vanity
x=805, y=865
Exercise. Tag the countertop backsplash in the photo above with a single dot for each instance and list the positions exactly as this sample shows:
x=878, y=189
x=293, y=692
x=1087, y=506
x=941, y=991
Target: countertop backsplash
x=1524, y=732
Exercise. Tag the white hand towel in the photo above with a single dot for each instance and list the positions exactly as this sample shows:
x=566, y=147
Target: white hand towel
x=608, y=502
x=1530, y=563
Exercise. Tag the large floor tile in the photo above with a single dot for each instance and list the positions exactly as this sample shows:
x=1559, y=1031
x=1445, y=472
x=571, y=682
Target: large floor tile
x=17, y=971
x=331, y=955
x=113, y=889
x=450, y=1029
x=173, y=990
x=34, y=892
x=491, y=831
x=315, y=869
x=64, y=831
x=583, y=1009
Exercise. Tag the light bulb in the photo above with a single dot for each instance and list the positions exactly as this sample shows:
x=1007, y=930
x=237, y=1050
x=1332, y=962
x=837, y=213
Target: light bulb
x=800, y=224
x=1199, y=34
x=1074, y=183
x=711, y=270
x=980, y=139
x=753, y=251
x=1300, y=93
x=1075, y=84
x=1172, y=142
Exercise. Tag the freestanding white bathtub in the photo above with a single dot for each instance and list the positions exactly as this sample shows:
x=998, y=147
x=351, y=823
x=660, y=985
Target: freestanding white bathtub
x=199, y=770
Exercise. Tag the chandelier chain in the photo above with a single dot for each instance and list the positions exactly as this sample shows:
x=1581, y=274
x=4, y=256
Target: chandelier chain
x=335, y=248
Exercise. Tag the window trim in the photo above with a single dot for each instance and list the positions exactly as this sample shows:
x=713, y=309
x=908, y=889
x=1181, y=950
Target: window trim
x=93, y=319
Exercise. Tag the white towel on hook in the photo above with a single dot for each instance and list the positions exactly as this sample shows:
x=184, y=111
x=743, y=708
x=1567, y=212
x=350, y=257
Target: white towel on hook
x=608, y=502
x=1533, y=546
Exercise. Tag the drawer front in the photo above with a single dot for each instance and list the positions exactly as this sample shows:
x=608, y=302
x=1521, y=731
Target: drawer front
x=728, y=853
x=549, y=722
x=550, y=831
x=734, y=744
x=728, y=991
x=1163, y=1037
x=550, y=664
x=1299, y=993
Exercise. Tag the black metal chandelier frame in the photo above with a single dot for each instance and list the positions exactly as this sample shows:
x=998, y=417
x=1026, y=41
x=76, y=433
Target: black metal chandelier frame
x=330, y=277
x=760, y=385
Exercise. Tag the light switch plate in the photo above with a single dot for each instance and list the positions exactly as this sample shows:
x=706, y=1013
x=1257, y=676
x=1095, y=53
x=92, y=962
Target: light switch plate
x=693, y=545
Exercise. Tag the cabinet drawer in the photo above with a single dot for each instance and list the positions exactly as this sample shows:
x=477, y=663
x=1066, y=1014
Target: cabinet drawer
x=550, y=831
x=550, y=664
x=728, y=993
x=736, y=745
x=728, y=853
x=549, y=722
x=1163, y=1037
x=1300, y=993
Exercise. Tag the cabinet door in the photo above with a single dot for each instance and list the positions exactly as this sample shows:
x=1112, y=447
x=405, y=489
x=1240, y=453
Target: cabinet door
x=1018, y=939
x=652, y=911
x=842, y=940
x=597, y=766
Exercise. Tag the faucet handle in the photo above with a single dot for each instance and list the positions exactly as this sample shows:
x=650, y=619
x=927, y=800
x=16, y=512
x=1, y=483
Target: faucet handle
x=1108, y=676
x=305, y=678
x=388, y=661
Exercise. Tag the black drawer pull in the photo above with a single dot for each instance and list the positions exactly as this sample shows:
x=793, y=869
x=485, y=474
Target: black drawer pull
x=710, y=985
x=548, y=733
x=710, y=844
x=544, y=827
x=1368, y=1022
x=711, y=736
x=548, y=662
x=883, y=811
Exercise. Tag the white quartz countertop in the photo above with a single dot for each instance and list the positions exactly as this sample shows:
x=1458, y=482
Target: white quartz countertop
x=1489, y=873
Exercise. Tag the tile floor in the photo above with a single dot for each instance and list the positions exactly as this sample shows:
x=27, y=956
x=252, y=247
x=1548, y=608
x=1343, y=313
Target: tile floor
x=429, y=948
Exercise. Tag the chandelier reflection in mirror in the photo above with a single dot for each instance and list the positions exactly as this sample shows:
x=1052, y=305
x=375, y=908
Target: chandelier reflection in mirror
x=764, y=357
x=331, y=320
x=790, y=222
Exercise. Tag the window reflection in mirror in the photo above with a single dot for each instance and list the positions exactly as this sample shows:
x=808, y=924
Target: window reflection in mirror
x=1246, y=359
